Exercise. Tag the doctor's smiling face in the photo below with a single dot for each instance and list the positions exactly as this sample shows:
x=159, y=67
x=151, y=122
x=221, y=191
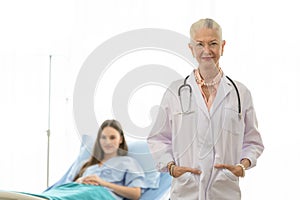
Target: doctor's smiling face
x=206, y=43
x=207, y=46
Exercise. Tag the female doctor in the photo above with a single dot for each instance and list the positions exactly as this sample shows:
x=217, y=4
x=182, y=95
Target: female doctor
x=205, y=134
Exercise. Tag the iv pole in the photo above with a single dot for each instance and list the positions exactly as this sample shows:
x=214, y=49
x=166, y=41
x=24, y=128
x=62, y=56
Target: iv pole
x=48, y=131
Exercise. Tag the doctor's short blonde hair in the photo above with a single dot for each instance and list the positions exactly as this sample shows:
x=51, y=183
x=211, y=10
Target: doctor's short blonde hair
x=205, y=23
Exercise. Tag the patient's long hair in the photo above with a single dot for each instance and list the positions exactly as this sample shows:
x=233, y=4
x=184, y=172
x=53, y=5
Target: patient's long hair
x=98, y=152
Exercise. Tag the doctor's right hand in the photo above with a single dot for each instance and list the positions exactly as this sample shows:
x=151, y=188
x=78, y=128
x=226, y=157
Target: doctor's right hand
x=177, y=171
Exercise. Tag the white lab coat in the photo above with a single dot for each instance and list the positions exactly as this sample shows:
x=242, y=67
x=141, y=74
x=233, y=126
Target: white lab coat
x=204, y=138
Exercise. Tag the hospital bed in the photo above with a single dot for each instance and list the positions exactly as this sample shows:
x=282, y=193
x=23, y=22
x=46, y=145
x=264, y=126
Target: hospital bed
x=158, y=183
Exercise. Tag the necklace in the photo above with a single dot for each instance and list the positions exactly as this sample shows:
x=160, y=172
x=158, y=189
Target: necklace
x=201, y=81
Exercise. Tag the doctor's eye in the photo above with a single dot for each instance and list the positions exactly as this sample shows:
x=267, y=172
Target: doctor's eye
x=213, y=44
x=199, y=45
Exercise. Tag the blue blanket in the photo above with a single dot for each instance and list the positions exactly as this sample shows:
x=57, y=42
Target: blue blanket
x=74, y=191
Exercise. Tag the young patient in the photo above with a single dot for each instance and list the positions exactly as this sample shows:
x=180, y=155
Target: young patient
x=108, y=174
x=110, y=167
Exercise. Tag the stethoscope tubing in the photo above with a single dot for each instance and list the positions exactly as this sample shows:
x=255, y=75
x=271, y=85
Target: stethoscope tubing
x=190, y=88
x=237, y=94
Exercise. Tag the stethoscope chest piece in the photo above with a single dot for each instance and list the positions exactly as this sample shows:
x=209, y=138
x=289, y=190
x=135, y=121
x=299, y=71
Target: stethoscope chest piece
x=185, y=103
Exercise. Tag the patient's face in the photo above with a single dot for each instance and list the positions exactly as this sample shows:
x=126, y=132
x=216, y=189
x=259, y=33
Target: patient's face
x=110, y=140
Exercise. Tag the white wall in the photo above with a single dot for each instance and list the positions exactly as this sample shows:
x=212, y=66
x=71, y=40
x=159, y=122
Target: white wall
x=262, y=38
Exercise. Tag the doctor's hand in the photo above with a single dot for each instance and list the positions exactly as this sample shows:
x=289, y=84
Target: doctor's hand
x=236, y=170
x=178, y=171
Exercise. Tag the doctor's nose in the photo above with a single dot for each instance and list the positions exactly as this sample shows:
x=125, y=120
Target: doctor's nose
x=206, y=49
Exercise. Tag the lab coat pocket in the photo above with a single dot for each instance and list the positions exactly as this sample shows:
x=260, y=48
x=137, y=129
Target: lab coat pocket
x=184, y=178
x=230, y=175
x=185, y=185
x=225, y=186
x=232, y=122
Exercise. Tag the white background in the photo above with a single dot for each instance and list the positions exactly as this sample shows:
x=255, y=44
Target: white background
x=262, y=39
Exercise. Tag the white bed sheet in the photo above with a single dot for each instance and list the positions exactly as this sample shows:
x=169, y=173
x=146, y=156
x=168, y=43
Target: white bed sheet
x=8, y=195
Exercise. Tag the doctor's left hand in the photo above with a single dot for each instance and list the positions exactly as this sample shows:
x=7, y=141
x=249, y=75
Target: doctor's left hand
x=236, y=170
x=178, y=171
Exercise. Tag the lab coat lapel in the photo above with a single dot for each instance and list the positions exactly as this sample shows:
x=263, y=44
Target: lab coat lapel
x=197, y=95
x=224, y=88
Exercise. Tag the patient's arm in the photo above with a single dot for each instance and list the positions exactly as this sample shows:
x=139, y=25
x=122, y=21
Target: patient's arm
x=124, y=191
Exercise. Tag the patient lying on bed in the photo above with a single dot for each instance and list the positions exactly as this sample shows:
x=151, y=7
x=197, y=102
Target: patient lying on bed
x=119, y=175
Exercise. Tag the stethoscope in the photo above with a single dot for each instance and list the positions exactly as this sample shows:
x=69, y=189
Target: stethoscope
x=188, y=110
